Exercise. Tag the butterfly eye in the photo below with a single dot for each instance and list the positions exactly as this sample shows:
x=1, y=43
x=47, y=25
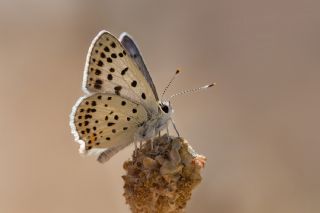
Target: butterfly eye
x=165, y=108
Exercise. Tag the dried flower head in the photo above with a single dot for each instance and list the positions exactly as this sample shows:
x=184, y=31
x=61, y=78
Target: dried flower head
x=161, y=176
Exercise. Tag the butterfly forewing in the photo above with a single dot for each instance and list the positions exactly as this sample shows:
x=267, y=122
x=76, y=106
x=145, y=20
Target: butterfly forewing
x=135, y=54
x=105, y=120
x=109, y=68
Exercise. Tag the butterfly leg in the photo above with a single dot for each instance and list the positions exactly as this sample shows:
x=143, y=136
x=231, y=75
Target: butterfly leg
x=167, y=128
x=175, y=128
x=135, y=148
x=151, y=144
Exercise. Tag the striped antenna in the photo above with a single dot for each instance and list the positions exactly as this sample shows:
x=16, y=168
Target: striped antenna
x=170, y=82
x=192, y=90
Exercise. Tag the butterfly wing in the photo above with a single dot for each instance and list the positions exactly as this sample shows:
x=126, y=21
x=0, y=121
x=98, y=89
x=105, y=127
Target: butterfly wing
x=104, y=121
x=109, y=68
x=128, y=43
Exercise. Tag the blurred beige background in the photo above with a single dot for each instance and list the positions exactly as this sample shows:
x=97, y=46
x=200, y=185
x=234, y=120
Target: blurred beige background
x=259, y=127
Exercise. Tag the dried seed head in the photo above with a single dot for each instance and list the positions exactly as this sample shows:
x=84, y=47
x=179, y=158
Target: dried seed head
x=162, y=179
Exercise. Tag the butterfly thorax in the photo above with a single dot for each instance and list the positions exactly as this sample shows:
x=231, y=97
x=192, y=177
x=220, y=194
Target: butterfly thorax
x=156, y=123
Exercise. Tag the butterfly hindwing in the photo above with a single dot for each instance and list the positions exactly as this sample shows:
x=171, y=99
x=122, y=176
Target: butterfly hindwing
x=109, y=68
x=102, y=120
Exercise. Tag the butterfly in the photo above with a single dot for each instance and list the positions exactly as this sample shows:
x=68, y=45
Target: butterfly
x=121, y=104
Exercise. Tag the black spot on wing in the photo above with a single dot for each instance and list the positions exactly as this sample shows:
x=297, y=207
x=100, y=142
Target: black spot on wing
x=100, y=63
x=98, y=84
x=98, y=72
x=143, y=96
x=123, y=72
x=134, y=83
x=87, y=116
x=111, y=123
x=109, y=77
x=117, y=89
x=106, y=49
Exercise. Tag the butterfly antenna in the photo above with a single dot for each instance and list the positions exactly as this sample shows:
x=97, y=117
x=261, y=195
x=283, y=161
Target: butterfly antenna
x=170, y=82
x=192, y=90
